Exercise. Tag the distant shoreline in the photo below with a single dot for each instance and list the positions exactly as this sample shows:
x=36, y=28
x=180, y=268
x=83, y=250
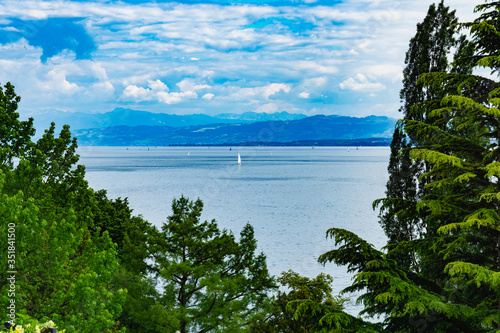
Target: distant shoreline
x=370, y=142
x=367, y=142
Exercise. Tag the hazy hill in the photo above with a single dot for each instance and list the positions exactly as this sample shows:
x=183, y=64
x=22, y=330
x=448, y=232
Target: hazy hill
x=128, y=117
x=310, y=128
x=256, y=116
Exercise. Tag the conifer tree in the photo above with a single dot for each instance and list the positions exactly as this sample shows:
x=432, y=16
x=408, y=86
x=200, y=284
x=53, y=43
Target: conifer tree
x=212, y=282
x=453, y=285
x=308, y=305
x=428, y=52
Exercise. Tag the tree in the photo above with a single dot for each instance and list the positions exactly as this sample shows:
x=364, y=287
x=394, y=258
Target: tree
x=127, y=231
x=409, y=302
x=14, y=134
x=62, y=270
x=141, y=313
x=309, y=306
x=428, y=52
x=398, y=214
x=211, y=281
x=452, y=284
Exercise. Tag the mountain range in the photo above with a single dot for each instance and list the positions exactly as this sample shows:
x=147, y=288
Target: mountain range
x=126, y=127
x=314, y=128
x=128, y=117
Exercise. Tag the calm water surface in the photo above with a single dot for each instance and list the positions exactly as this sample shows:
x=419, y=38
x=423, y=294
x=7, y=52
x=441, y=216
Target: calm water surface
x=291, y=195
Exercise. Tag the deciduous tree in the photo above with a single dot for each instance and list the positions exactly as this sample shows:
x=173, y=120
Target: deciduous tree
x=14, y=133
x=63, y=271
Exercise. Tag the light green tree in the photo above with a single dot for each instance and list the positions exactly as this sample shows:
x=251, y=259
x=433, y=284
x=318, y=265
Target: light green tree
x=63, y=270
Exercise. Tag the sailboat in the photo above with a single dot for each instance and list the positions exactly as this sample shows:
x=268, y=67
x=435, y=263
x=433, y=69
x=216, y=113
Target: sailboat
x=239, y=159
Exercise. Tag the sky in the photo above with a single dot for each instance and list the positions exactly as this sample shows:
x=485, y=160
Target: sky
x=332, y=57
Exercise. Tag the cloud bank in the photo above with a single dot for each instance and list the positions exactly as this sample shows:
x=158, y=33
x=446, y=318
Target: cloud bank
x=329, y=57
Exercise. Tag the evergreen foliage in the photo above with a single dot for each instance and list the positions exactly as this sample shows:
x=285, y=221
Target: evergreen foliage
x=85, y=261
x=211, y=282
x=428, y=53
x=443, y=278
x=309, y=306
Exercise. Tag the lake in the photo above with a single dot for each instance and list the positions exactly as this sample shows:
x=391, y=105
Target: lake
x=291, y=195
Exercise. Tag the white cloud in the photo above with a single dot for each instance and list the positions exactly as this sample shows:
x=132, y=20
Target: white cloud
x=206, y=73
x=190, y=85
x=175, y=97
x=157, y=91
x=104, y=87
x=143, y=47
x=315, y=82
x=38, y=14
x=312, y=66
x=136, y=79
x=12, y=29
x=274, y=88
x=57, y=82
x=268, y=108
x=157, y=85
x=393, y=72
x=99, y=71
x=361, y=83
x=261, y=92
x=138, y=93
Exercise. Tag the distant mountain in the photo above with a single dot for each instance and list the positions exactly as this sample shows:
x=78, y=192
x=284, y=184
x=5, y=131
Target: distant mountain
x=256, y=116
x=128, y=117
x=306, y=129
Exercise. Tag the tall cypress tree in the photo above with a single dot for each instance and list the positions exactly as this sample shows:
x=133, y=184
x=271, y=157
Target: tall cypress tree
x=428, y=52
x=455, y=285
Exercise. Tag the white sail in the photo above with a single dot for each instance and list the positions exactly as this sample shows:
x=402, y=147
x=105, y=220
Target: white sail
x=239, y=159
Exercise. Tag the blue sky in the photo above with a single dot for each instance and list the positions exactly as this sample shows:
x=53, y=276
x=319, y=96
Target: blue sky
x=300, y=56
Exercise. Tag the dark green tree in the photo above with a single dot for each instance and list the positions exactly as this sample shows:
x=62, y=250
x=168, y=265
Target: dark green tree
x=309, y=306
x=428, y=52
x=15, y=135
x=452, y=284
x=212, y=282
x=407, y=301
x=141, y=313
